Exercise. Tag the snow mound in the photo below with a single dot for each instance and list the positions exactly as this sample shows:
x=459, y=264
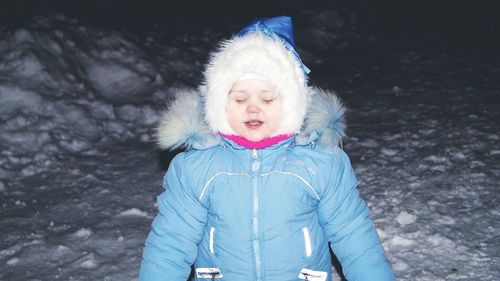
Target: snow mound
x=66, y=87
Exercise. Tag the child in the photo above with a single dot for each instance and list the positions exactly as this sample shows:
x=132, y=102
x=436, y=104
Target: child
x=263, y=187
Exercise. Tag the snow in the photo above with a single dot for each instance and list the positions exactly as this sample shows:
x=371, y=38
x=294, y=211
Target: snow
x=79, y=170
x=398, y=241
x=134, y=212
x=83, y=233
x=405, y=218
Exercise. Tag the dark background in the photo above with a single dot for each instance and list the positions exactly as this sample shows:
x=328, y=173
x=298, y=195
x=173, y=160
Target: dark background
x=447, y=24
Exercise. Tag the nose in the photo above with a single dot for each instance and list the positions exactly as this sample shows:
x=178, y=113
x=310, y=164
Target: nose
x=253, y=108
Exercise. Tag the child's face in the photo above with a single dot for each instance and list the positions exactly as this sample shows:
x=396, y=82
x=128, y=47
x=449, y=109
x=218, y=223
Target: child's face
x=254, y=110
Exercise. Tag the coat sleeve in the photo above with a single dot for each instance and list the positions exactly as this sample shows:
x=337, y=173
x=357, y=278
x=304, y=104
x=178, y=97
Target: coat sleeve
x=171, y=246
x=344, y=217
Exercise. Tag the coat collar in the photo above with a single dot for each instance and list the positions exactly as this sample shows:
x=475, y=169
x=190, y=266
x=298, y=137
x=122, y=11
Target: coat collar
x=225, y=142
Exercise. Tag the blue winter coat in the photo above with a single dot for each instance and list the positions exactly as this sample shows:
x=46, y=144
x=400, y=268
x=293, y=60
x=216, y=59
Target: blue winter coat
x=239, y=214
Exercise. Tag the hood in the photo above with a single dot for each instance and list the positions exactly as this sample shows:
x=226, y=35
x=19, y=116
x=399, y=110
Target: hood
x=257, y=51
x=184, y=125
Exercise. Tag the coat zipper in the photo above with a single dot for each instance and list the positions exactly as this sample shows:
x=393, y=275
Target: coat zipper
x=255, y=218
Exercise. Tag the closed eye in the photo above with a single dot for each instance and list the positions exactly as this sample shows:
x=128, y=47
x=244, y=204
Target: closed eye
x=268, y=101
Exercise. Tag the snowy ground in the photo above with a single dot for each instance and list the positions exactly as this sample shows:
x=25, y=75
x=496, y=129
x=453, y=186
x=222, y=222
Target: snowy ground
x=79, y=171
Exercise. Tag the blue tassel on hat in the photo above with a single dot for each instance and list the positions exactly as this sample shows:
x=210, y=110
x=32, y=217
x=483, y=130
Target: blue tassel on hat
x=281, y=27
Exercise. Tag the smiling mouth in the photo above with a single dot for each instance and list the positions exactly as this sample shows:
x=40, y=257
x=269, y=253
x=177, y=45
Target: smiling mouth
x=254, y=124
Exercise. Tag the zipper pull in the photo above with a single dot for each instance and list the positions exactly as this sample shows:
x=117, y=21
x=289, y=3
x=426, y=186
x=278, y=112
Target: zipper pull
x=256, y=162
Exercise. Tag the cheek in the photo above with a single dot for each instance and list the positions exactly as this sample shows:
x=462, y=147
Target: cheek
x=233, y=111
x=274, y=118
x=277, y=113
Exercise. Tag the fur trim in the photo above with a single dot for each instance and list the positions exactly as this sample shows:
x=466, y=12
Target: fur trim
x=256, y=54
x=325, y=118
x=183, y=123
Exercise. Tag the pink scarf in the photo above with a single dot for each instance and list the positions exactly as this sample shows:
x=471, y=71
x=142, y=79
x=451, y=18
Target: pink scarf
x=256, y=144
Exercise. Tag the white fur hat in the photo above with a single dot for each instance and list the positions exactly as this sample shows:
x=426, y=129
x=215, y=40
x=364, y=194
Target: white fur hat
x=258, y=53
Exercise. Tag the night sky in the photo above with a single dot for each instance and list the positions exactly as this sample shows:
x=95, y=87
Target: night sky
x=437, y=25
